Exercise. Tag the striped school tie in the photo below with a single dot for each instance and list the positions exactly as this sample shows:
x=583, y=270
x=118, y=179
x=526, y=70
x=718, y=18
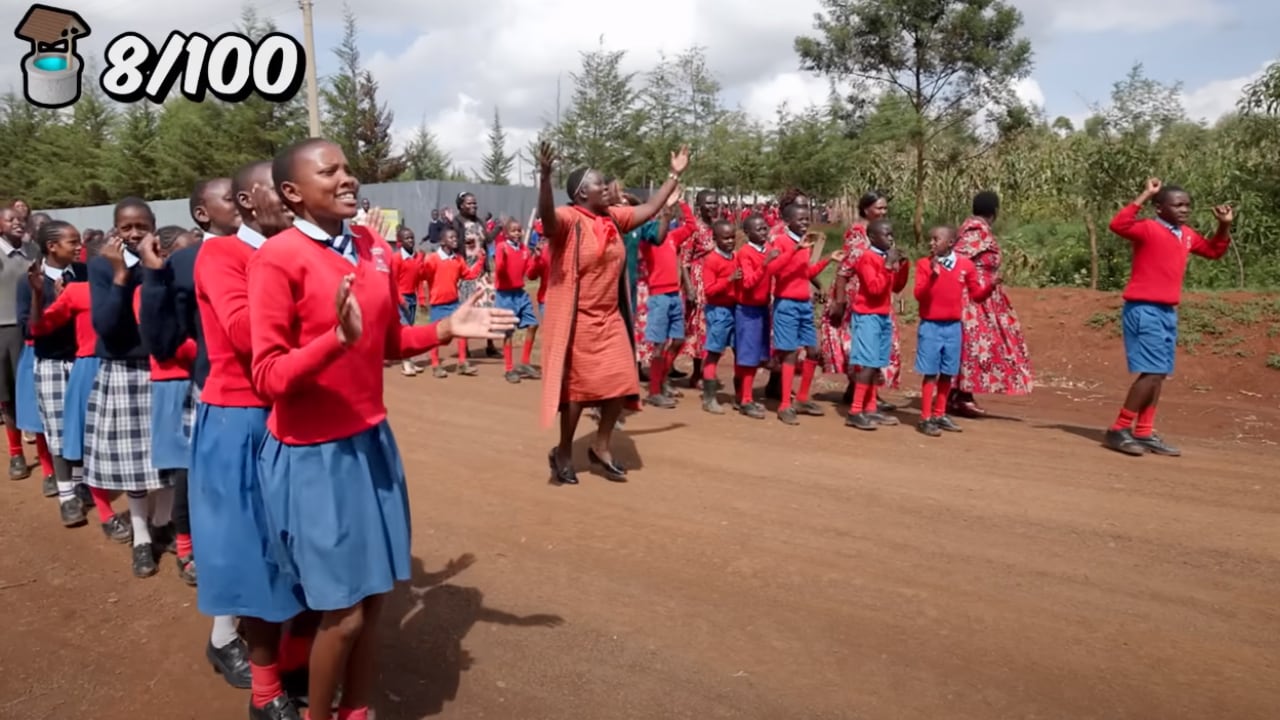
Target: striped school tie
x=340, y=244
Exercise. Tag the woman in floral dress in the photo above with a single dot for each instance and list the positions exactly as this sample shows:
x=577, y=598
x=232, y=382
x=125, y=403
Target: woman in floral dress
x=692, y=254
x=994, y=358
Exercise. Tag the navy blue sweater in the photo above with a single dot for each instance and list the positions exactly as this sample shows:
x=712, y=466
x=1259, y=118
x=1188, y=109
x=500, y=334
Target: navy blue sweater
x=113, y=320
x=61, y=343
x=169, y=312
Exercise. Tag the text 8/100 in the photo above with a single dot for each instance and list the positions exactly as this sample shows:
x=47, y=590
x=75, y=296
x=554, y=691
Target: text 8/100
x=232, y=67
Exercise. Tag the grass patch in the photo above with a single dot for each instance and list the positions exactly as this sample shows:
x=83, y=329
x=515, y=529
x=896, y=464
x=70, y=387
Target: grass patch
x=1215, y=317
x=1273, y=361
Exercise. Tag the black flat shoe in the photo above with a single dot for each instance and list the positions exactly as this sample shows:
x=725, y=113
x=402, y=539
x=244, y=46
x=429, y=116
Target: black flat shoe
x=231, y=662
x=612, y=471
x=282, y=708
x=562, y=474
x=144, y=561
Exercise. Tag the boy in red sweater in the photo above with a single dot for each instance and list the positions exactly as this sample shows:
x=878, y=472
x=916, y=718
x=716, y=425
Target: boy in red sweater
x=720, y=276
x=756, y=261
x=941, y=281
x=881, y=272
x=793, y=326
x=1161, y=246
x=664, y=326
x=539, y=261
x=511, y=261
x=406, y=267
x=443, y=270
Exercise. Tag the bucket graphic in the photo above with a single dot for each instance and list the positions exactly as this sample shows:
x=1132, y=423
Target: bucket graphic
x=50, y=81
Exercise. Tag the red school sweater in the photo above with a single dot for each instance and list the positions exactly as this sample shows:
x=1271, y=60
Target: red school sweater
x=444, y=272
x=1160, y=257
x=941, y=298
x=662, y=260
x=877, y=284
x=757, y=277
x=320, y=390
x=222, y=295
x=717, y=279
x=538, y=270
x=794, y=273
x=510, y=265
x=177, y=367
x=407, y=271
x=73, y=305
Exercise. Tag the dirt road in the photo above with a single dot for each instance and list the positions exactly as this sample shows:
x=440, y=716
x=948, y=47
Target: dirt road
x=748, y=570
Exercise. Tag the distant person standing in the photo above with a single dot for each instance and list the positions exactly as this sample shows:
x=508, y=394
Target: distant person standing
x=433, y=231
x=16, y=256
x=362, y=215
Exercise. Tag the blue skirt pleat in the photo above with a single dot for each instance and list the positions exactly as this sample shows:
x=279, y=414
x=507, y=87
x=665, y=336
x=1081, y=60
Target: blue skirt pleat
x=79, y=384
x=172, y=415
x=27, y=410
x=341, y=512
x=240, y=561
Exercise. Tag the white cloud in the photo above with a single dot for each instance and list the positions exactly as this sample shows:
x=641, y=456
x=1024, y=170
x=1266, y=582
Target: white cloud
x=1029, y=92
x=467, y=58
x=1215, y=99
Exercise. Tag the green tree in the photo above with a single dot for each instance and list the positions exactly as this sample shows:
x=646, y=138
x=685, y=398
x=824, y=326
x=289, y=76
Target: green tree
x=260, y=129
x=424, y=160
x=600, y=126
x=353, y=117
x=136, y=155
x=951, y=59
x=497, y=163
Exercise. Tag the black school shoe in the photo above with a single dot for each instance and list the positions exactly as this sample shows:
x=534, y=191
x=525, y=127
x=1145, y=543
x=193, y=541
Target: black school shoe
x=231, y=662
x=946, y=424
x=297, y=685
x=49, y=486
x=282, y=708
x=929, y=428
x=187, y=569
x=118, y=529
x=72, y=513
x=144, y=561
x=18, y=468
x=1157, y=446
x=1122, y=441
x=860, y=421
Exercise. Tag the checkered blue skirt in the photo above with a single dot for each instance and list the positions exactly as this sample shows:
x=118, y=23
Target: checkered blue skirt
x=117, y=429
x=51, y=394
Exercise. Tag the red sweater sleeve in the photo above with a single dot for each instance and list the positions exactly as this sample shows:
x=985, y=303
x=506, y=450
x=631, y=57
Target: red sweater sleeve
x=54, y=316
x=900, y=278
x=473, y=272
x=186, y=355
x=534, y=270
x=924, y=278
x=720, y=279
x=1128, y=225
x=978, y=290
x=278, y=367
x=1212, y=248
x=688, y=226
x=873, y=276
x=225, y=278
x=816, y=269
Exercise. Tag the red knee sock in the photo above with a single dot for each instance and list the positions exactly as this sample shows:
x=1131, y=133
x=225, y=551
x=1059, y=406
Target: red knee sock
x=1125, y=421
x=873, y=394
x=940, y=402
x=508, y=358
x=46, y=457
x=788, y=379
x=184, y=544
x=462, y=351
x=807, y=370
x=746, y=378
x=15, y=440
x=265, y=685
x=860, y=393
x=928, y=391
x=102, y=501
x=657, y=373
x=709, y=364
x=435, y=356
x=1146, y=426
x=526, y=352
x=294, y=653
x=360, y=713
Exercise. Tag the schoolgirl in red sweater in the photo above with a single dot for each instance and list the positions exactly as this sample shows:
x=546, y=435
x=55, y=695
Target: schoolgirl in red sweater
x=322, y=317
x=443, y=270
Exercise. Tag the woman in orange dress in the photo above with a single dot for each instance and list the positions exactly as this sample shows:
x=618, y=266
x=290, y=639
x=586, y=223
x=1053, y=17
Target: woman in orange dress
x=588, y=359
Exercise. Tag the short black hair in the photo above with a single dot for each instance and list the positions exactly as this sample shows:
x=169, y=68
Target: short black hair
x=169, y=234
x=876, y=225
x=789, y=212
x=462, y=196
x=702, y=196
x=49, y=234
x=282, y=166
x=242, y=180
x=986, y=204
x=574, y=181
x=32, y=217
x=1165, y=191
x=133, y=202
x=749, y=218
x=721, y=223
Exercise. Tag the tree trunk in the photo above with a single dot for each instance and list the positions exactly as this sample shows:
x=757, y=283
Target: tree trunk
x=1093, y=250
x=917, y=218
x=1239, y=263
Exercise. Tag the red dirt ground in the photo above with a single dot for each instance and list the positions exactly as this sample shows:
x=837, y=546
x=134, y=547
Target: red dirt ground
x=750, y=570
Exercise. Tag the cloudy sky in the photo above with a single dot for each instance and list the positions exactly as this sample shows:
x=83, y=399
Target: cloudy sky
x=450, y=63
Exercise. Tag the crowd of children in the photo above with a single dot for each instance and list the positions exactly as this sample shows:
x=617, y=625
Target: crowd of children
x=229, y=383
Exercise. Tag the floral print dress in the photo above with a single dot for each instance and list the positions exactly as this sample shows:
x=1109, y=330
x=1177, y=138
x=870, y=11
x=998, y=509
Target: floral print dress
x=994, y=358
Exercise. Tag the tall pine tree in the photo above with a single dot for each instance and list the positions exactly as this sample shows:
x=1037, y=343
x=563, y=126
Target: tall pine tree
x=495, y=166
x=424, y=160
x=603, y=121
x=353, y=116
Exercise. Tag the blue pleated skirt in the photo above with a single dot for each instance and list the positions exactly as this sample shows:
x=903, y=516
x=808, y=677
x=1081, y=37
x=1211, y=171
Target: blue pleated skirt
x=173, y=412
x=341, y=511
x=79, y=383
x=242, y=565
x=27, y=410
